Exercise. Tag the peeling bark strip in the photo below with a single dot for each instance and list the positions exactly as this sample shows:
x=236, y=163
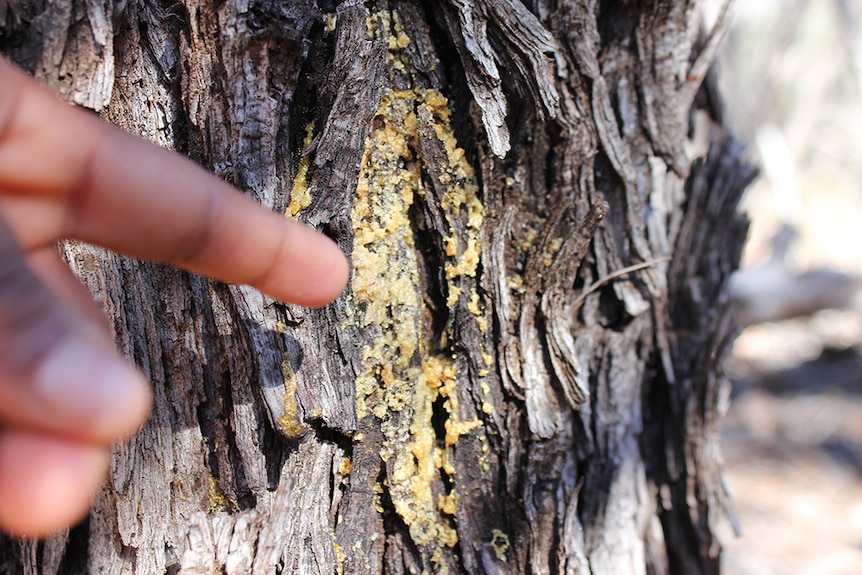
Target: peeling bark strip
x=524, y=375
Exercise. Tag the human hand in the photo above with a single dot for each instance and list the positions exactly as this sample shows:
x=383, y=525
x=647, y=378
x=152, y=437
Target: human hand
x=65, y=394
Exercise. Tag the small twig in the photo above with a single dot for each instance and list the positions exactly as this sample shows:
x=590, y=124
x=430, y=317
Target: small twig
x=614, y=275
x=707, y=54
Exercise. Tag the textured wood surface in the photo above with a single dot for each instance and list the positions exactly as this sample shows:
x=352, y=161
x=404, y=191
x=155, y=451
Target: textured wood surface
x=524, y=375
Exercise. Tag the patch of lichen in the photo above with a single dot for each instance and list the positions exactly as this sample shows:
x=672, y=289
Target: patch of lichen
x=385, y=271
x=500, y=544
x=289, y=422
x=462, y=245
x=399, y=383
x=300, y=196
x=403, y=373
x=217, y=499
x=457, y=175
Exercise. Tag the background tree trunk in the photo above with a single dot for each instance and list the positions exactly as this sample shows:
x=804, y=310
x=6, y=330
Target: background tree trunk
x=524, y=375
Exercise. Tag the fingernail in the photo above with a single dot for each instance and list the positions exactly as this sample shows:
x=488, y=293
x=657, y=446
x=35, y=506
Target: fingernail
x=85, y=386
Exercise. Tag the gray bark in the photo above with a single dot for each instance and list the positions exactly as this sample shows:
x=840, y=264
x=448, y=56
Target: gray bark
x=524, y=375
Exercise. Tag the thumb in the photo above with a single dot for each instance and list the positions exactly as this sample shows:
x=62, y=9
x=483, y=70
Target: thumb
x=58, y=373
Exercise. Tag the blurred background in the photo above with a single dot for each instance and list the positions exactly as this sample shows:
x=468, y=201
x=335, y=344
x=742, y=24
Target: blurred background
x=791, y=77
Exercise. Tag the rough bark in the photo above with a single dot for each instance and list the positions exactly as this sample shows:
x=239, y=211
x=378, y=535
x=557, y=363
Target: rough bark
x=524, y=375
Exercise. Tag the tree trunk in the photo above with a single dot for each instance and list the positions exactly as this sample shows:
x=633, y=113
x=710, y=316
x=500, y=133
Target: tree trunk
x=524, y=375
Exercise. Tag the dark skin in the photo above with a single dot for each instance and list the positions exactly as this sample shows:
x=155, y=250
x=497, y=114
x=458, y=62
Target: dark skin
x=65, y=393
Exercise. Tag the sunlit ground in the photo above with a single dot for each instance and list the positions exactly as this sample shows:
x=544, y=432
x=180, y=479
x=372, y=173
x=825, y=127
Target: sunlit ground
x=793, y=445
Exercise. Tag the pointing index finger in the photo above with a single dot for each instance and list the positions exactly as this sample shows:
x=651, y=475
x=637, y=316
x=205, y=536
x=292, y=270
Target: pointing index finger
x=162, y=207
x=98, y=184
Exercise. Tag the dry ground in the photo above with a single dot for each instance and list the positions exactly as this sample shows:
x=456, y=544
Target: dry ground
x=793, y=445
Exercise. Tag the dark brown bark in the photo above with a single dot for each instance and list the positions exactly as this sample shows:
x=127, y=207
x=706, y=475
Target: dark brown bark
x=524, y=375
